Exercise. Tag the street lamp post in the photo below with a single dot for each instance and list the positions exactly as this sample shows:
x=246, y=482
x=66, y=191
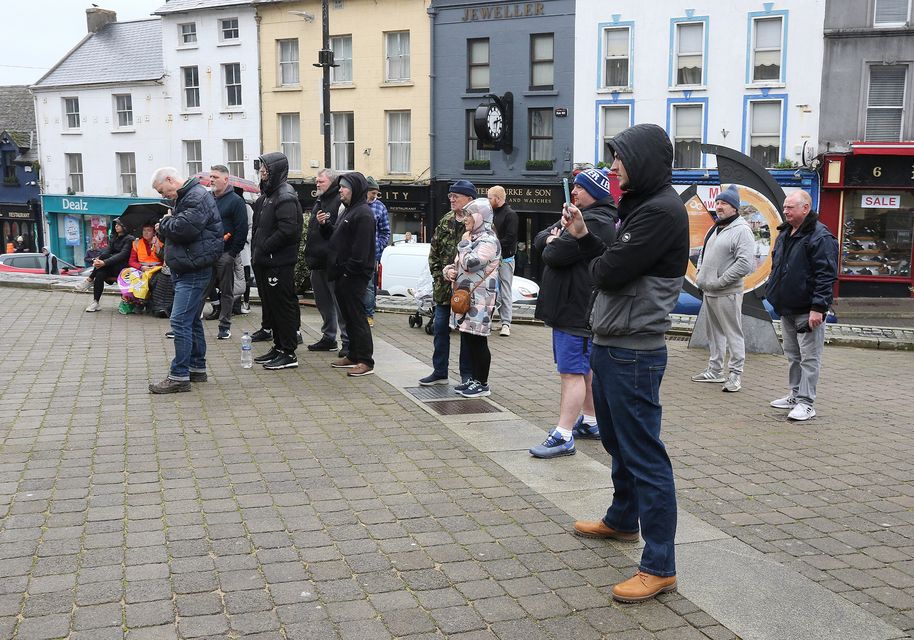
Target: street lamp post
x=325, y=61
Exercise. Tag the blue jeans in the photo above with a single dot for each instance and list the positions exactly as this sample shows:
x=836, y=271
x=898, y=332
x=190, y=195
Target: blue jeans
x=190, y=343
x=442, y=346
x=368, y=300
x=626, y=395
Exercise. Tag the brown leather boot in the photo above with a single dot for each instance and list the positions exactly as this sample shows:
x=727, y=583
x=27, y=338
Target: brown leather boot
x=597, y=529
x=643, y=586
x=343, y=363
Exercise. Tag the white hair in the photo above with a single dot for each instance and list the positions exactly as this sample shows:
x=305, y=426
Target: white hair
x=332, y=174
x=163, y=173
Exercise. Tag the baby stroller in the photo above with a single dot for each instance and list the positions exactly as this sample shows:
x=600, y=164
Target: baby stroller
x=424, y=300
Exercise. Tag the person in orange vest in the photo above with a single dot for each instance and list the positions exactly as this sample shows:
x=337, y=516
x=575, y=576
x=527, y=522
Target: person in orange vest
x=146, y=254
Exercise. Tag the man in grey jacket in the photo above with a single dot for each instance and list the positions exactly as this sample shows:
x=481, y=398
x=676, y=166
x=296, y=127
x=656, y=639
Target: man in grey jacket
x=637, y=280
x=724, y=262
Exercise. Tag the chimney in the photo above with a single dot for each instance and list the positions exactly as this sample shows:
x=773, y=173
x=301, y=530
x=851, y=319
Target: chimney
x=97, y=18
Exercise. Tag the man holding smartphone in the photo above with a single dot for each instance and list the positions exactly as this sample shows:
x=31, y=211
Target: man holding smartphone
x=803, y=273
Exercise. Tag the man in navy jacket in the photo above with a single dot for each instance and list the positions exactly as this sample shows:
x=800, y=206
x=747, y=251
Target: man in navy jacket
x=803, y=272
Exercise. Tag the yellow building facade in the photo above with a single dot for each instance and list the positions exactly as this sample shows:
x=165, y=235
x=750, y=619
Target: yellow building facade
x=379, y=96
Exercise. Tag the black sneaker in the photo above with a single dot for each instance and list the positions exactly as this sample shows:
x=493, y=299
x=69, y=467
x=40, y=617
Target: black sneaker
x=324, y=344
x=198, y=376
x=282, y=361
x=224, y=334
x=212, y=315
x=262, y=335
x=269, y=355
x=170, y=335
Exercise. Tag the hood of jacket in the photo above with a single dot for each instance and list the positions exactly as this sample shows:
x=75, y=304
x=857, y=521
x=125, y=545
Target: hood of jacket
x=647, y=154
x=807, y=226
x=358, y=185
x=480, y=210
x=278, y=167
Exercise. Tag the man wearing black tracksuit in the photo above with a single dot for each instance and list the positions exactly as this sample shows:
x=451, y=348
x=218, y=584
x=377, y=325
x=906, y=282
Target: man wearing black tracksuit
x=274, y=250
x=350, y=265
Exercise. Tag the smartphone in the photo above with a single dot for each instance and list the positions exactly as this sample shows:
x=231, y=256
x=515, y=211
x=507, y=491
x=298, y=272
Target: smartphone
x=567, y=192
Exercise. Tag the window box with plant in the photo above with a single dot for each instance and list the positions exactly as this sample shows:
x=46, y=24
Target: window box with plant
x=10, y=181
x=477, y=164
x=540, y=165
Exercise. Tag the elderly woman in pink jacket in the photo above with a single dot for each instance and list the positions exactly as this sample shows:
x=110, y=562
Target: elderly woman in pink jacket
x=476, y=269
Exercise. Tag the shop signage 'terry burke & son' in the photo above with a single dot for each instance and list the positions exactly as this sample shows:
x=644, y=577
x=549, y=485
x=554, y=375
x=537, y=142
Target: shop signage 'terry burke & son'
x=501, y=11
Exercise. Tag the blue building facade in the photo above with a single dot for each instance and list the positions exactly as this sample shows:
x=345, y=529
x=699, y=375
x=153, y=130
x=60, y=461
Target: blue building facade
x=20, y=208
x=484, y=53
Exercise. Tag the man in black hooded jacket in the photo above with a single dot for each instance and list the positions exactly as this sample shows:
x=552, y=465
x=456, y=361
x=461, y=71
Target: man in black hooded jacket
x=637, y=280
x=350, y=265
x=274, y=250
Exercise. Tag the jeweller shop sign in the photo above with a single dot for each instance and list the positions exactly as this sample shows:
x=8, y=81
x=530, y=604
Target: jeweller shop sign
x=880, y=202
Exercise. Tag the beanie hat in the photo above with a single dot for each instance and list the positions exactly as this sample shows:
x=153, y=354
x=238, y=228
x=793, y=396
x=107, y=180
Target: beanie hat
x=372, y=184
x=465, y=188
x=594, y=182
x=345, y=183
x=730, y=195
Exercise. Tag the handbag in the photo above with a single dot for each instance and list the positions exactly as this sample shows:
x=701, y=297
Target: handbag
x=460, y=299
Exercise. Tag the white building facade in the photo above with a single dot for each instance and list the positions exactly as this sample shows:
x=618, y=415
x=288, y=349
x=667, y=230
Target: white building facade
x=212, y=84
x=742, y=74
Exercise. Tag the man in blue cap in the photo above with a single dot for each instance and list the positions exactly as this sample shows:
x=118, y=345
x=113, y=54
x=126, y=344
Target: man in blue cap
x=444, y=247
x=724, y=261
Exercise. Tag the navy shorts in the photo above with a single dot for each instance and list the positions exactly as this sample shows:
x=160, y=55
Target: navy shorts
x=571, y=353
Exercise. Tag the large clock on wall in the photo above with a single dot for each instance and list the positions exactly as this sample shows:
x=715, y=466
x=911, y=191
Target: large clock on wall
x=493, y=123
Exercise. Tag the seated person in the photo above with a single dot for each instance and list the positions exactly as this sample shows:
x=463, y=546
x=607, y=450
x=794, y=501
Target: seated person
x=137, y=280
x=109, y=263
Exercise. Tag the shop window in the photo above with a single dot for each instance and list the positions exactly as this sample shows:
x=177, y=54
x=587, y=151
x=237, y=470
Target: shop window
x=234, y=157
x=877, y=234
x=687, y=126
x=288, y=62
x=766, y=50
x=396, y=44
x=231, y=73
x=615, y=119
x=690, y=38
x=342, y=141
x=342, y=56
x=290, y=139
x=542, y=61
x=478, y=64
x=885, y=102
x=193, y=157
x=765, y=132
x=616, y=50
x=891, y=13
x=74, y=172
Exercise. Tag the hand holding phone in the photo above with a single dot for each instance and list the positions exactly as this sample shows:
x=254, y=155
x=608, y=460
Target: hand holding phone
x=567, y=192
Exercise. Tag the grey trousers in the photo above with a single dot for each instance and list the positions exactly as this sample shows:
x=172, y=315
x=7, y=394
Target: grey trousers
x=725, y=329
x=325, y=299
x=804, y=356
x=224, y=278
x=503, y=300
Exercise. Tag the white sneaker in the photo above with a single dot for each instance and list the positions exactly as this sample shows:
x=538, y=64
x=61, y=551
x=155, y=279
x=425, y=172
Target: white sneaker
x=709, y=376
x=801, y=412
x=732, y=384
x=505, y=330
x=245, y=308
x=85, y=285
x=92, y=308
x=787, y=402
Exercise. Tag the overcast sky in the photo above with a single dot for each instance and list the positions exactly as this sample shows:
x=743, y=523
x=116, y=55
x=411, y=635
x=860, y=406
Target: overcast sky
x=38, y=33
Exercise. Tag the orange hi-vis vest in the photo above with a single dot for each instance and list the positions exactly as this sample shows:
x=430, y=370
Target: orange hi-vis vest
x=145, y=254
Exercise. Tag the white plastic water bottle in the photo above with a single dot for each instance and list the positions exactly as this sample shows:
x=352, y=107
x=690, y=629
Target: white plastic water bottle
x=247, y=357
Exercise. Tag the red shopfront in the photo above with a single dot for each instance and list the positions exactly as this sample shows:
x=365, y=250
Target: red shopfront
x=867, y=200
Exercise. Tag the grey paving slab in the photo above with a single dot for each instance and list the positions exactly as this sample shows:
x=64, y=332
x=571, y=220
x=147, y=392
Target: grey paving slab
x=512, y=434
x=559, y=474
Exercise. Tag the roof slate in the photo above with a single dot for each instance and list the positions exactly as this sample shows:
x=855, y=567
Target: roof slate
x=118, y=52
x=17, y=112
x=181, y=6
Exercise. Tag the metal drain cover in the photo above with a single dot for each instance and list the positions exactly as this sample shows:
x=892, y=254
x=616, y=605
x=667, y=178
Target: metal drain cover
x=436, y=392
x=462, y=407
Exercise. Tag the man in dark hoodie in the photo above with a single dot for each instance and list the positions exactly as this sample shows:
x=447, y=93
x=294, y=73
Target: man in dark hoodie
x=637, y=280
x=563, y=304
x=193, y=242
x=234, y=216
x=350, y=265
x=274, y=250
x=316, y=250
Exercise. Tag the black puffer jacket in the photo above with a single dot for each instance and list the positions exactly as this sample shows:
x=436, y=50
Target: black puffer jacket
x=352, y=236
x=317, y=247
x=804, y=268
x=193, y=235
x=118, y=252
x=566, y=288
x=277, y=217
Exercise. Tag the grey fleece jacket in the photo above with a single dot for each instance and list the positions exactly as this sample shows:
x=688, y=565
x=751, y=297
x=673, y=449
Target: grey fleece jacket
x=726, y=259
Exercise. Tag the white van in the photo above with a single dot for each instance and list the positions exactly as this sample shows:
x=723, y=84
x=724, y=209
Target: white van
x=402, y=264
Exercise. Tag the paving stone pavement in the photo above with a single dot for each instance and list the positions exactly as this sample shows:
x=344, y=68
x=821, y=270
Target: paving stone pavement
x=302, y=504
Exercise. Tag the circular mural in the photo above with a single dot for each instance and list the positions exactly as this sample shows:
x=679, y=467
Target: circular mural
x=763, y=218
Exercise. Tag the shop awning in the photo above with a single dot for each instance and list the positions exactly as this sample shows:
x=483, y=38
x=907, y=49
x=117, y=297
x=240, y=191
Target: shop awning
x=882, y=148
